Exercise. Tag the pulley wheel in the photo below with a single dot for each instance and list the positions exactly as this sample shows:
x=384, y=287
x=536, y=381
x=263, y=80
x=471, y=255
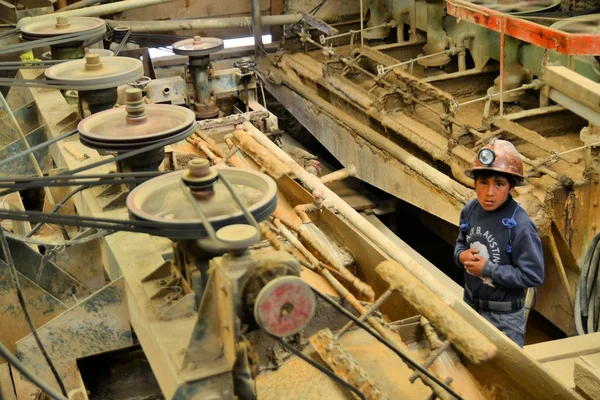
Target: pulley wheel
x=284, y=306
x=198, y=46
x=589, y=24
x=112, y=130
x=95, y=72
x=163, y=200
x=518, y=7
x=52, y=27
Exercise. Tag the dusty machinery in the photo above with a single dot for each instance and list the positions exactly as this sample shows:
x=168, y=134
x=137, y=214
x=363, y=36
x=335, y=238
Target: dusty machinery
x=482, y=73
x=409, y=109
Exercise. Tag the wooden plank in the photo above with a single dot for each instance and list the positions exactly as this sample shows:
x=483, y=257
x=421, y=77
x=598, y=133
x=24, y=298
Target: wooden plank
x=587, y=377
x=391, y=176
x=41, y=305
x=185, y=9
x=573, y=85
x=99, y=323
x=561, y=269
x=536, y=139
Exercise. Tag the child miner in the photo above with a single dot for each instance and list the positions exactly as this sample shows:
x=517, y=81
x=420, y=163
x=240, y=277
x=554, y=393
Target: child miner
x=498, y=244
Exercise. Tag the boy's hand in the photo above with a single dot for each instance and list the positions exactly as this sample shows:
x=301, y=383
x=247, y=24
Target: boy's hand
x=475, y=267
x=468, y=255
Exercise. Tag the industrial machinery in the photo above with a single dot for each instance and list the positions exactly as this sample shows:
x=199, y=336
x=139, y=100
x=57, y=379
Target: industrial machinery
x=172, y=216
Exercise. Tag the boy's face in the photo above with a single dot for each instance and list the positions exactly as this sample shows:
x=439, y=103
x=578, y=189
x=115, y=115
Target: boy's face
x=492, y=191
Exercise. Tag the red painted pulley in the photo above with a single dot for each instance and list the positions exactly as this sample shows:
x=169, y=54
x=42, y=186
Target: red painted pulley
x=284, y=306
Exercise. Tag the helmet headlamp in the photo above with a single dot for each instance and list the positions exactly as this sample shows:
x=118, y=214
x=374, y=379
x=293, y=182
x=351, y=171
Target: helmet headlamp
x=486, y=157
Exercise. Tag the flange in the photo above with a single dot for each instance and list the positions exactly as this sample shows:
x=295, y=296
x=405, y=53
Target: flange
x=135, y=125
x=51, y=27
x=95, y=72
x=162, y=199
x=284, y=306
x=198, y=46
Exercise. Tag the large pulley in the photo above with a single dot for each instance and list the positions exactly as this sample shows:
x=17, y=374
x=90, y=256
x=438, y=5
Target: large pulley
x=135, y=126
x=199, y=49
x=96, y=78
x=162, y=199
x=77, y=29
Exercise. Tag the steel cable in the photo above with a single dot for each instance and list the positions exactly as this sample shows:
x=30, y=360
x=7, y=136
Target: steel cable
x=321, y=368
x=587, y=300
x=411, y=363
x=13, y=272
x=36, y=380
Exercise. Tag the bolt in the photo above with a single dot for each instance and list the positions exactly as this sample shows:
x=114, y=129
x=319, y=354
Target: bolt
x=286, y=309
x=595, y=204
x=197, y=40
x=594, y=227
x=597, y=180
x=92, y=62
x=199, y=167
x=62, y=22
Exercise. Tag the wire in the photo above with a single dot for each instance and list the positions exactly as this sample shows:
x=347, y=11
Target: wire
x=38, y=147
x=63, y=243
x=122, y=156
x=321, y=368
x=56, y=207
x=15, y=278
x=403, y=356
x=123, y=42
x=36, y=380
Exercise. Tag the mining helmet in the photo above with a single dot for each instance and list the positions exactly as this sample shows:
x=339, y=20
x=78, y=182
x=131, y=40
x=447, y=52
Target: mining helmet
x=501, y=156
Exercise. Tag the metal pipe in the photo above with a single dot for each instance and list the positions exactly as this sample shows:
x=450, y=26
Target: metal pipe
x=453, y=75
x=95, y=11
x=574, y=106
x=204, y=23
x=256, y=26
x=81, y=4
x=199, y=75
x=436, y=36
x=461, y=42
x=372, y=308
x=232, y=120
x=338, y=175
x=333, y=200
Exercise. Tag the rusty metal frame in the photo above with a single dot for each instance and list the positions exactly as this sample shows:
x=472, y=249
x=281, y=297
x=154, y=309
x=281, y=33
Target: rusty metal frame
x=565, y=43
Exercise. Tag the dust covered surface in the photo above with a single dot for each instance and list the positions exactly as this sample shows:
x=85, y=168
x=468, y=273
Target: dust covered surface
x=298, y=380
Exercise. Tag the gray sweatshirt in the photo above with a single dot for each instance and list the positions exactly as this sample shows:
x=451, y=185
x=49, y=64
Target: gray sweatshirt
x=507, y=273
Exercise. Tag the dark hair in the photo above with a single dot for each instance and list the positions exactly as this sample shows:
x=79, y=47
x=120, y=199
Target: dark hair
x=488, y=173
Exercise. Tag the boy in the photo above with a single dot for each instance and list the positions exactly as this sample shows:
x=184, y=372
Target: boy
x=498, y=244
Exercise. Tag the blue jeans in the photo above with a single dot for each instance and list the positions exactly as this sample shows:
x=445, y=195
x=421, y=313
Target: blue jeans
x=512, y=324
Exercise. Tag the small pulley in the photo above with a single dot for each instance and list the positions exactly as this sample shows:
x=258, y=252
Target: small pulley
x=284, y=306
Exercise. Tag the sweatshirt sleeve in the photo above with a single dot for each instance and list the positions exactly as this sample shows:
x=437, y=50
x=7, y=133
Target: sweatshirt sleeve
x=461, y=240
x=528, y=260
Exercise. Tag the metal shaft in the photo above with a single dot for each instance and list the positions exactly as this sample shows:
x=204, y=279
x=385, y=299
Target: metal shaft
x=256, y=27
x=204, y=23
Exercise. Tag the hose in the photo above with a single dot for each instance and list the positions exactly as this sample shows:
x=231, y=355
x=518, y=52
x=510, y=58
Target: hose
x=587, y=299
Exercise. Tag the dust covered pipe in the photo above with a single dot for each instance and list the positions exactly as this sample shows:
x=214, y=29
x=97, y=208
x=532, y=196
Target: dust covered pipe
x=333, y=200
x=95, y=11
x=205, y=23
